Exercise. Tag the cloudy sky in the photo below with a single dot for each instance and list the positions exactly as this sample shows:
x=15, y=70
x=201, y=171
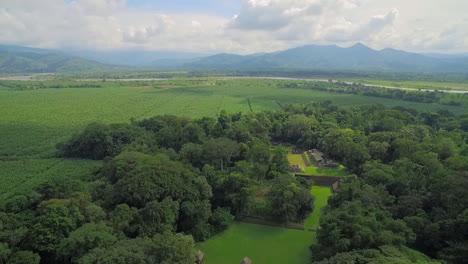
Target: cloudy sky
x=236, y=26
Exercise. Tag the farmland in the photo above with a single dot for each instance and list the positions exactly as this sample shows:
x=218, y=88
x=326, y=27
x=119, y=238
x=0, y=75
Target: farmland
x=21, y=176
x=33, y=121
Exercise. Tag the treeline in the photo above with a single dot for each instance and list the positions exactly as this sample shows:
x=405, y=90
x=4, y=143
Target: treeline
x=33, y=85
x=388, y=76
x=158, y=84
x=136, y=74
x=375, y=91
x=296, y=73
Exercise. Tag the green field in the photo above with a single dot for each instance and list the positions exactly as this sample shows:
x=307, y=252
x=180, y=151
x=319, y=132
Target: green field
x=33, y=121
x=319, y=171
x=296, y=159
x=262, y=244
x=321, y=200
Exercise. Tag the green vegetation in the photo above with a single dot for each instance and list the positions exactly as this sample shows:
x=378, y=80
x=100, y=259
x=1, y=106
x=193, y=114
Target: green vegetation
x=262, y=244
x=37, y=63
x=384, y=254
x=152, y=185
x=340, y=171
x=413, y=84
x=162, y=183
x=321, y=195
x=452, y=99
x=297, y=159
x=21, y=176
x=33, y=121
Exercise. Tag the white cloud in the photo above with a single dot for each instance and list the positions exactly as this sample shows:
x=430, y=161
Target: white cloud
x=260, y=25
x=347, y=31
x=102, y=24
x=311, y=21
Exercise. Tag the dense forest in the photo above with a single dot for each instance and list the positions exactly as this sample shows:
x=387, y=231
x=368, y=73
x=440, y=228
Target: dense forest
x=168, y=182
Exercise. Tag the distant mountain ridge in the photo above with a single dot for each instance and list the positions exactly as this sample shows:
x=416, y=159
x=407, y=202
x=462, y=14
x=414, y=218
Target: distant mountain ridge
x=17, y=59
x=137, y=58
x=331, y=57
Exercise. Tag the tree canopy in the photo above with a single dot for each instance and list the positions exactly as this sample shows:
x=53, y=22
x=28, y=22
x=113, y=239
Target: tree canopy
x=167, y=182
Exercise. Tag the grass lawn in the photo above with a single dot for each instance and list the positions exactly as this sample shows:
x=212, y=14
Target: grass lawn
x=340, y=171
x=296, y=159
x=321, y=199
x=262, y=244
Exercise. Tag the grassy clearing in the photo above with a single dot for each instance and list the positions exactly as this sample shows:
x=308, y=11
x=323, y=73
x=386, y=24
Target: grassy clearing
x=263, y=244
x=296, y=159
x=314, y=169
x=321, y=200
x=340, y=171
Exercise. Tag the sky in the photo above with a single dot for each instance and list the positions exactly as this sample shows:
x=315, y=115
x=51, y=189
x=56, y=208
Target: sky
x=235, y=26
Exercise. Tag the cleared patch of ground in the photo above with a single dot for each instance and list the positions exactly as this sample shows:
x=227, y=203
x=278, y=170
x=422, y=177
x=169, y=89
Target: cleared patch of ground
x=262, y=244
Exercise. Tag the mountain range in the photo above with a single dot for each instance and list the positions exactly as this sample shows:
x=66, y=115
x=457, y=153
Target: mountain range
x=17, y=59
x=356, y=58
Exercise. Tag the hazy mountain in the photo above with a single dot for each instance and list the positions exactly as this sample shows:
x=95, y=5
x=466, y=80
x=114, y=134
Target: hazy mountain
x=137, y=57
x=20, y=49
x=316, y=57
x=446, y=56
x=15, y=59
x=169, y=63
